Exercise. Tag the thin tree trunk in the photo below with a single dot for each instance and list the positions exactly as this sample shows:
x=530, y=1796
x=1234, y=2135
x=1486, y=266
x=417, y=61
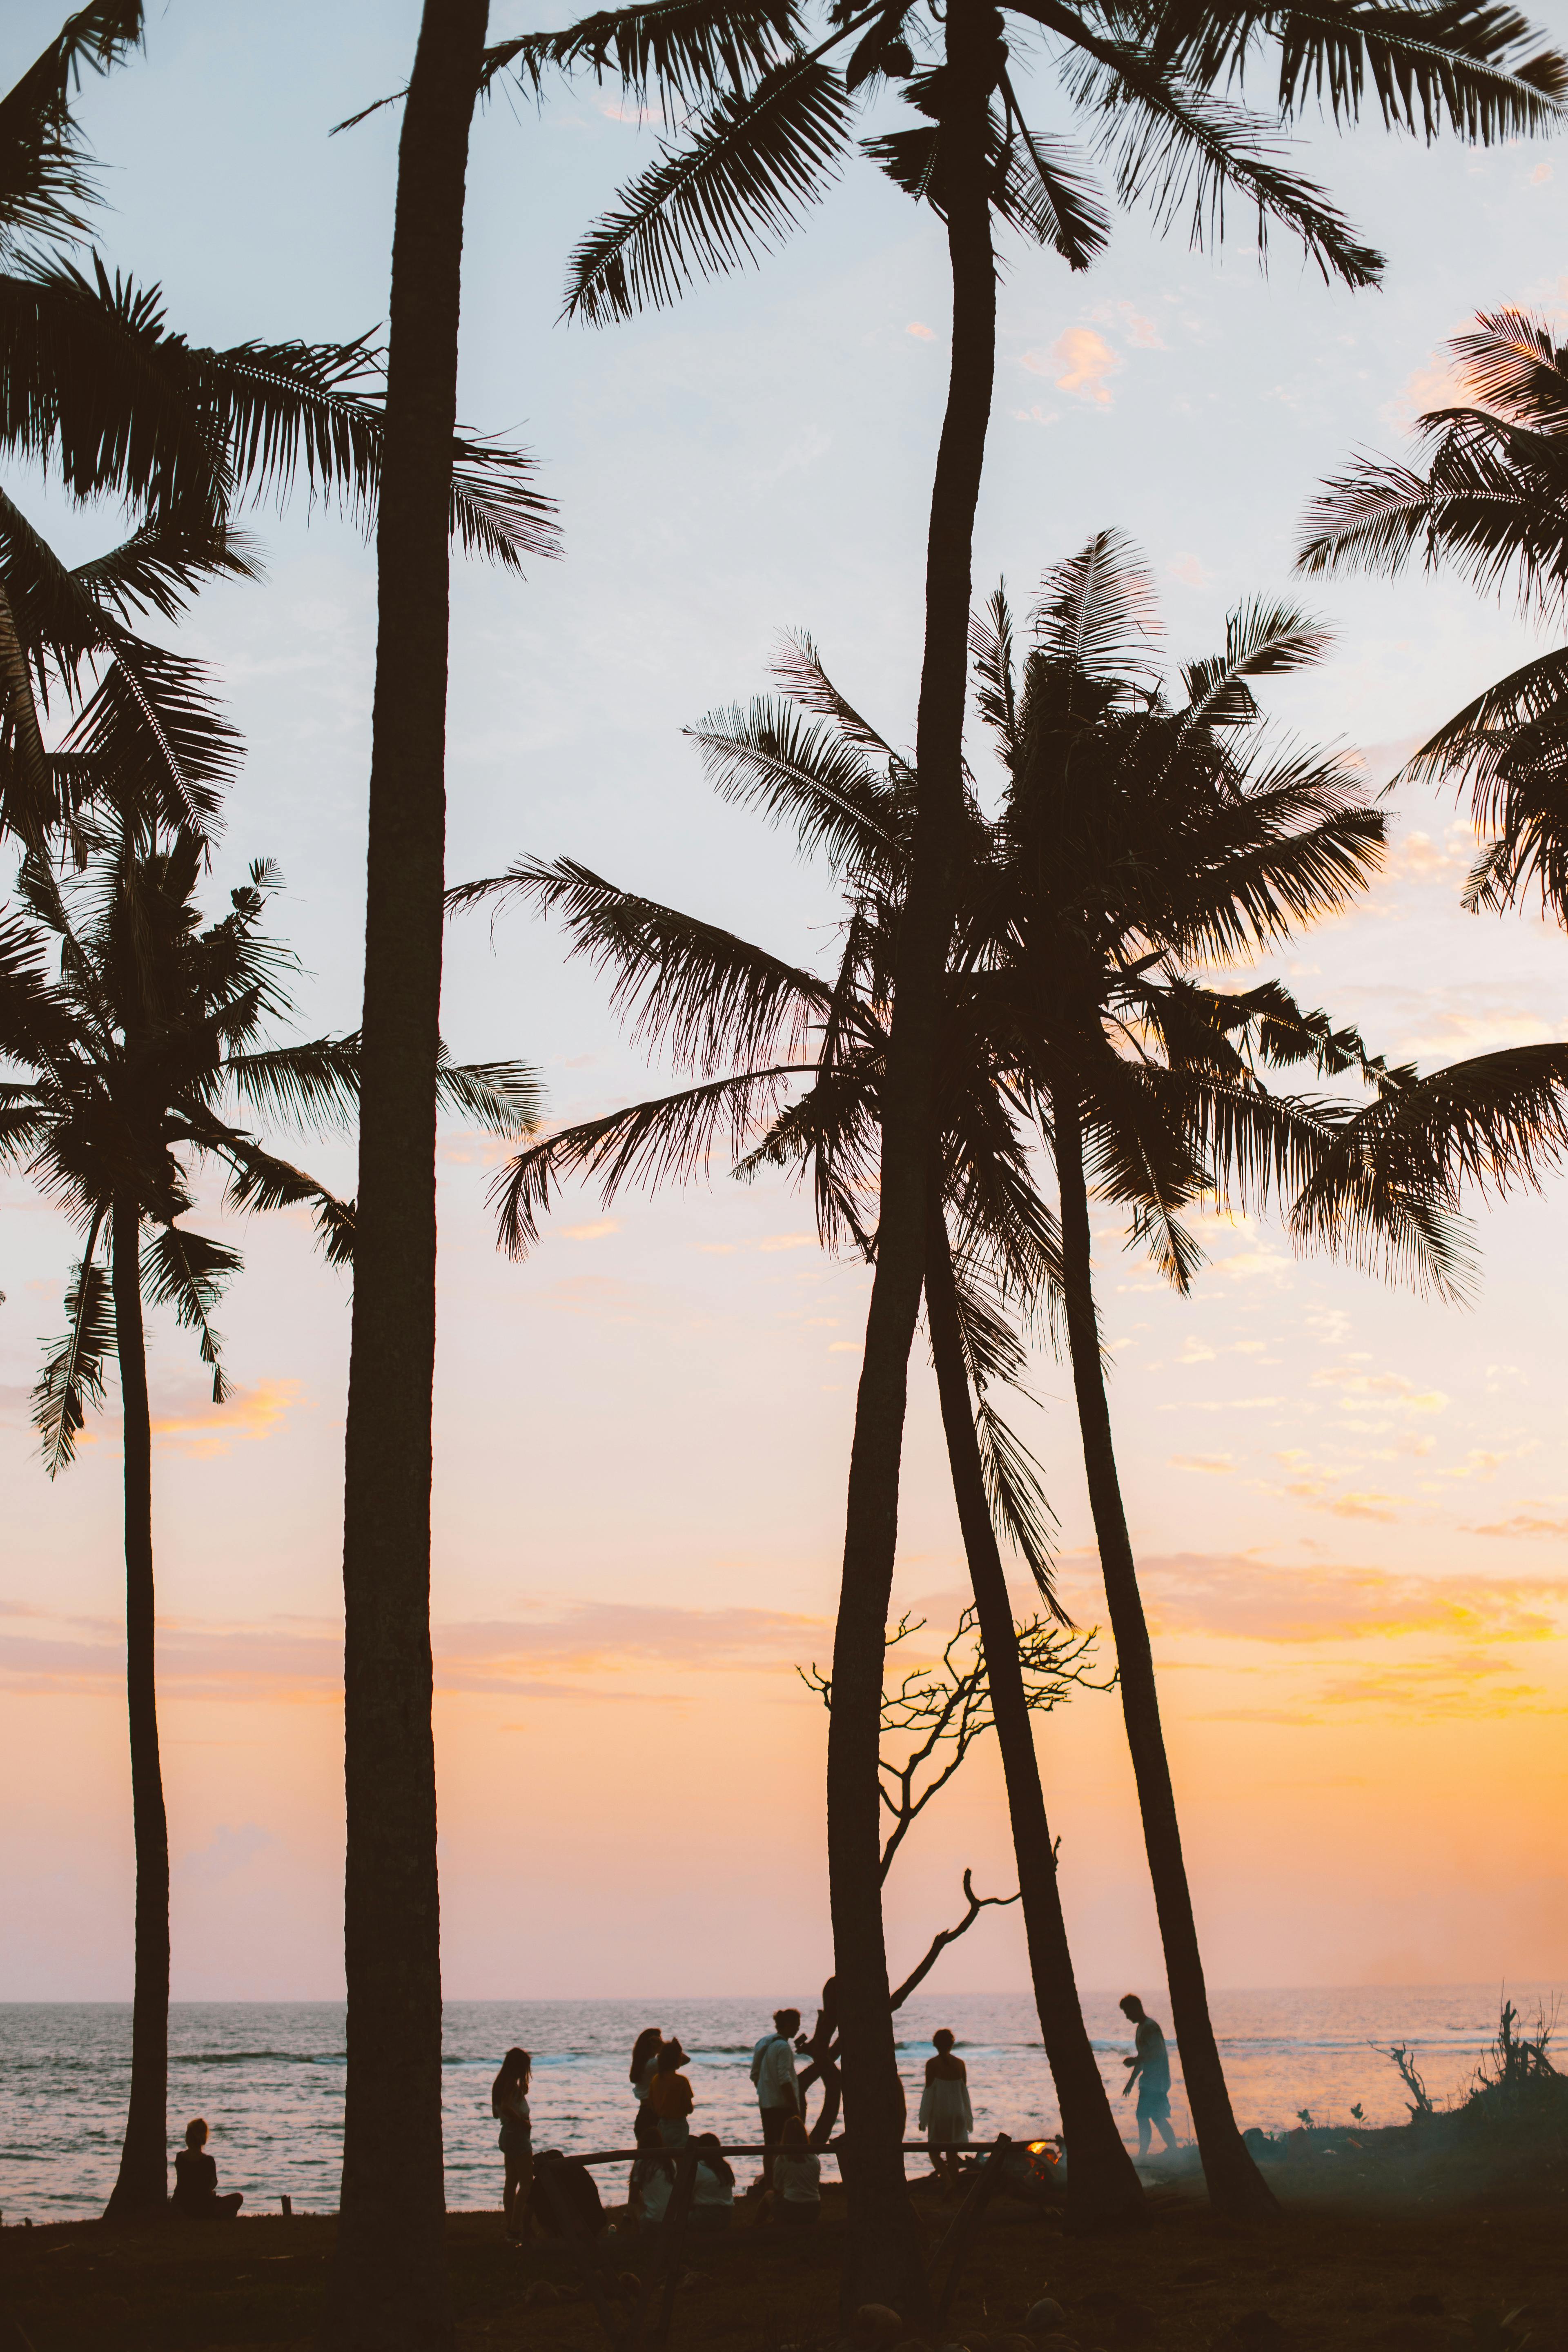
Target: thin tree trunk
x=390, y=2282
x=882, y=2259
x=1235, y=2184
x=143, y=2184
x=1102, y=2185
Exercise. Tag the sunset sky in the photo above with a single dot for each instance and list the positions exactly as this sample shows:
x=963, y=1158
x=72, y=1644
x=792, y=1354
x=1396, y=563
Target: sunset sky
x=1349, y=1504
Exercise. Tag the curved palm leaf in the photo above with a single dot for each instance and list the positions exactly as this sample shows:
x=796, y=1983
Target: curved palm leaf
x=752, y=166
x=45, y=174
x=1428, y=63
x=767, y=757
x=706, y=995
x=189, y=1273
x=73, y=1378
x=1173, y=144
x=664, y=1141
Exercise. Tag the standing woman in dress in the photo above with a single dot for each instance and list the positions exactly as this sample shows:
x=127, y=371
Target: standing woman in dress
x=509, y=2105
x=946, y=2117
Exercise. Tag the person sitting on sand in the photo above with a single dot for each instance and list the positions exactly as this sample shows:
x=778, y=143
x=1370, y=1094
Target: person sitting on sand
x=713, y=2185
x=797, y=2201
x=670, y=2095
x=1149, y=2068
x=946, y=2116
x=508, y=2106
x=566, y=2201
x=196, y=2180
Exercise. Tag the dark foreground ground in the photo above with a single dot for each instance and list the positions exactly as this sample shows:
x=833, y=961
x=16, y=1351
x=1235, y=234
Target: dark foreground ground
x=1368, y=2251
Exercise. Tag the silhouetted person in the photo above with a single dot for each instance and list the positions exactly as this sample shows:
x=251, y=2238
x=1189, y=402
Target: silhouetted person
x=773, y=2072
x=712, y=2186
x=645, y=2131
x=671, y=2097
x=195, y=2182
x=508, y=2106
x=1151, y=2071
x=797, y=2201
x=946, y=2116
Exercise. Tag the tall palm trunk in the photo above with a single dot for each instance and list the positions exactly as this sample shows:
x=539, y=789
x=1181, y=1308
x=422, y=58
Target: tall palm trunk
x=390, y=2282
x=1235, y=2184
x=143, y=2183
x=882, y=2253
x=1102, y=2185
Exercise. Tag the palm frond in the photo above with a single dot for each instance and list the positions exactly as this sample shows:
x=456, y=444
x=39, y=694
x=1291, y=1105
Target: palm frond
x=1467, y=66
x=990, y=651
x=705, y=995
x=735, y=188
x=1261, y=640
x=1043, y=191
x=45, y=172
x=1512, y=362
x=73, y=1378
x=1096, y=616
x=497, y=1097
x=157, y=737
x=766, y=757
x=186, y=1271
x=667, y=1139
x=314, y=1085
x=1172, y=144
x=1020, y=1507
x=683, y=48
x=797, y=665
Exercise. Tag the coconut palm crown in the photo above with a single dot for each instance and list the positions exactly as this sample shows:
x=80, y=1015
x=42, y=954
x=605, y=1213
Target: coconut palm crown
x=773, y=94
x=1492, y=504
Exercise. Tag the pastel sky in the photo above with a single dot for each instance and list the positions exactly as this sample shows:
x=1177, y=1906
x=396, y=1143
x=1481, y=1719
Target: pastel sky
x=1350, y=1505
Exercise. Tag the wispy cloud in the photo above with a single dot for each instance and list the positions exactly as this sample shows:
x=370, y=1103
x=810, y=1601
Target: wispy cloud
x=1249, y=1600
x=541, y=1653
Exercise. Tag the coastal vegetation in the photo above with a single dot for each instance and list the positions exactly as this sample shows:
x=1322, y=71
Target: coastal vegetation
x=1021, y=1021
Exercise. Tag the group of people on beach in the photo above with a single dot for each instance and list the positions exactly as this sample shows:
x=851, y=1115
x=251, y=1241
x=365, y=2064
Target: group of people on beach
x=789, y=2188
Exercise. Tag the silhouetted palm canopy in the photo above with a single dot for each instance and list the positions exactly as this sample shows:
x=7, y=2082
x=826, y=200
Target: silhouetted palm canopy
x=141, y=1046
x=1157, y=93
x=105, y=398
x=1493, y=504
x=1136, y=834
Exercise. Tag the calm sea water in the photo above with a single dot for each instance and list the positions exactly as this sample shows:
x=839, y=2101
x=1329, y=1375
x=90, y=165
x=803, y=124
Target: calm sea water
x=268, y=2077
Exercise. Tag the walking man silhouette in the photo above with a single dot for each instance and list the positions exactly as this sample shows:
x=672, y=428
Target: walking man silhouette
x=1150, y=2069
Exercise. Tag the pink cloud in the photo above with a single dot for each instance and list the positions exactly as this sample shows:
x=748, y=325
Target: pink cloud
x=1078, y=362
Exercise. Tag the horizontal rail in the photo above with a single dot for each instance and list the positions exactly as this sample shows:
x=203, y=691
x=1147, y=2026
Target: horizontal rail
x=631, y=2154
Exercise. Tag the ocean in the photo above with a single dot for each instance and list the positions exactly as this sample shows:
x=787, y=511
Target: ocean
x=268, y=2076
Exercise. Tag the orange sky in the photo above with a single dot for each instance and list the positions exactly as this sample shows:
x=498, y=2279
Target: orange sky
x=1350, y=1505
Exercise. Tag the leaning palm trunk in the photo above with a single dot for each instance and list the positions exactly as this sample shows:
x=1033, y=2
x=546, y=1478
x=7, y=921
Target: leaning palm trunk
x=1235, y=2184
x=1102, y=2185
x=141, y=2185
x=390, y=2286
x=882, y=2255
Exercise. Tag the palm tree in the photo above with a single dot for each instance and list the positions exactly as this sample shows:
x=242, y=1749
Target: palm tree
x=1146, y=81
x=97, y=389
x=134, y=1052
x=1138, y=833
x=1176, y=822
x=131, y=1051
